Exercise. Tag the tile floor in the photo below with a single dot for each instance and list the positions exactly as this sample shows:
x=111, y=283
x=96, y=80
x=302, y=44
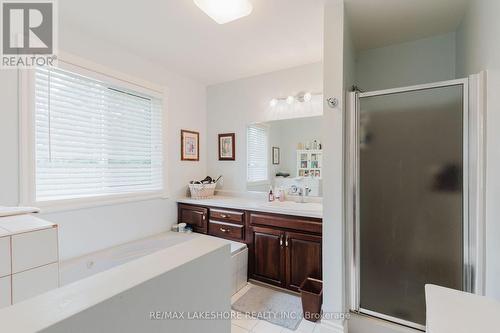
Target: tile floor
x=251, y=325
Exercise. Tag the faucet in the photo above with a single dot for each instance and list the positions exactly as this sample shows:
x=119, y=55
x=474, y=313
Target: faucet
x=304, y=192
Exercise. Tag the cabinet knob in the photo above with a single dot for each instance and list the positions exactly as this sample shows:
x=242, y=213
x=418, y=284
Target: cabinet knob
x=204, y=217
x=281, y=240
x=224, y=230
x=286, y=241
x=224, y=216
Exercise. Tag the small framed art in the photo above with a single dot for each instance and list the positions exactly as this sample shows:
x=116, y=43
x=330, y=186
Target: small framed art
x=227, y=147
x=276, y=155
x=190, y=146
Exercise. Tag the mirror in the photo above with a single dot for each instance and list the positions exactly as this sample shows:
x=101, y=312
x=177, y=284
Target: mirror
x=285, y=154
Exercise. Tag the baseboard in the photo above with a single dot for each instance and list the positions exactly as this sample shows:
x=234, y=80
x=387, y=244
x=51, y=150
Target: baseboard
x=333, y=326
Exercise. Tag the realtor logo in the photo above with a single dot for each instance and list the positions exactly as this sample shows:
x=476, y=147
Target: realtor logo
x=28, y=33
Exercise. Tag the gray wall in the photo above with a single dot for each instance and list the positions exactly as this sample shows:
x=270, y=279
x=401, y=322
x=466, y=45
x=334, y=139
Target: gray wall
x=422, y=61
x=478, y=48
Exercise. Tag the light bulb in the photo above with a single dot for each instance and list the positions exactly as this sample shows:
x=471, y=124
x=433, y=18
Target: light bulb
x=290, y=99
x=273, y=102
x=307, y=97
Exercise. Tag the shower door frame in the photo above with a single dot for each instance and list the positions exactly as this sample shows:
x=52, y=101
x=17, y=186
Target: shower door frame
x=472, y=149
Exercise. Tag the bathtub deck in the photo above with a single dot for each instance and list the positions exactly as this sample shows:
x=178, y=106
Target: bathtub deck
x=67, y=302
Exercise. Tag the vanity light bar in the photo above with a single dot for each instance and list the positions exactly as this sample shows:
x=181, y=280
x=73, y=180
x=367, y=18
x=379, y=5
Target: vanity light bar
x=302, y=98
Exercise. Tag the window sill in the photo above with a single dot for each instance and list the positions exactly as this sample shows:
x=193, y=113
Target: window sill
x=259, y=183
x=93, y=202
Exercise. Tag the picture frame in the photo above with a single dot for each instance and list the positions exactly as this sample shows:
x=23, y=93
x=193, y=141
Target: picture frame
x=227, y=147
x=190, y=145
x=276, y=155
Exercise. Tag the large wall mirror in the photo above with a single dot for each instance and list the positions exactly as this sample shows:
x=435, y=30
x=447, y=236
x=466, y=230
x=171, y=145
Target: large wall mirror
x=285, y=154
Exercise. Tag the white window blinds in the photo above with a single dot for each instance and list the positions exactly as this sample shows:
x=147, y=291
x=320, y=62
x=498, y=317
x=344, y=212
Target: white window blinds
x=94, y=139
x=257, y=153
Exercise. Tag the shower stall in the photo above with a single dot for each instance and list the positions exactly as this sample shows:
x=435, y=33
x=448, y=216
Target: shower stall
x=411, y=188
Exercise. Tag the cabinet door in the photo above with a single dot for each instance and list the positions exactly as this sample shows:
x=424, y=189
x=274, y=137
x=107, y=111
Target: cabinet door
x=194, y=216
x=34, y=282
x=303, y=258
x=268, y=261
x=5, y=293
x=5, y=264
x=34, y=249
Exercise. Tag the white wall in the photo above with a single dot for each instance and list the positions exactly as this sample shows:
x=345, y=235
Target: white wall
x=88, y=230
x=333, y=219
x=422, y=61
x=478, y=48
x=232, y=106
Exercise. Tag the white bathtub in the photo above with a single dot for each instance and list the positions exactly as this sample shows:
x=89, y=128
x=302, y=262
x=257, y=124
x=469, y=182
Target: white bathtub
x=93, y=263
x=129, y=296
x=79, y=268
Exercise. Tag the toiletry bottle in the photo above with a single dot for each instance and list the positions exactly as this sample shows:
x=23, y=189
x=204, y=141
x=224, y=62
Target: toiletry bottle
x=282, y=194
x=271, y=195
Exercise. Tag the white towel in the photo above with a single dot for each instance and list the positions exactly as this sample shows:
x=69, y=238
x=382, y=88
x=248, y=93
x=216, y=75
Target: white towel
x=9, y=211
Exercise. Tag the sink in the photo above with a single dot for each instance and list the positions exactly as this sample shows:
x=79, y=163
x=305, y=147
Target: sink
x=292, y=205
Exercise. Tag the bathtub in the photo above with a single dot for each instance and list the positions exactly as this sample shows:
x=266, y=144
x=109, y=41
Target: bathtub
x=135, y=286
x=79, y=268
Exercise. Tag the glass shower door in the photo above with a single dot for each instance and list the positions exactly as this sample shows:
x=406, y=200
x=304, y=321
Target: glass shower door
x=411, y=199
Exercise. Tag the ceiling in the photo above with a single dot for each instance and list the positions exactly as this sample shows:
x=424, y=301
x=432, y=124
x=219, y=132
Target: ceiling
x=177, y=35
x=377, y=23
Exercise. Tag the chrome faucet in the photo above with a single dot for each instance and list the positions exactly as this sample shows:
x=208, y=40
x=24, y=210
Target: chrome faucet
x=304, y=192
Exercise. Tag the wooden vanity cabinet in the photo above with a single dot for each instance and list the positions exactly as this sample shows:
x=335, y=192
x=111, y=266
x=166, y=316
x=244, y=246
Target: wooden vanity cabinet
x=283, y=250
x=284, y=256
x=195, y=216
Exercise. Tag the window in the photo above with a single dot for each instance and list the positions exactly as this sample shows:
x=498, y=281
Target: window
x=93, y=138
x=257, y=153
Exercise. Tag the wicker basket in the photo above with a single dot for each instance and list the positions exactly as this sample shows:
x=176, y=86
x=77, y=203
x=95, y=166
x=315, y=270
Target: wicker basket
x=202, y=191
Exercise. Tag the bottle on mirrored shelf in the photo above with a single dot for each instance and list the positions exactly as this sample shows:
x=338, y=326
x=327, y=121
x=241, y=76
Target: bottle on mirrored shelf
x=271, y=194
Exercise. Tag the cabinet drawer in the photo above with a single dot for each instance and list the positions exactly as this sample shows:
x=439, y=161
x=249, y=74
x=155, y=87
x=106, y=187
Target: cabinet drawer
x=5, y=294
x=34, y=282
x=34, y=249
x=226, y=230
x=226, y=215
x=288, y=222
x=4, y=256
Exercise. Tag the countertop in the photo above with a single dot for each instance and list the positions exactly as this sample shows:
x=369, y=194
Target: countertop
x=308, y=209
x=11, y=225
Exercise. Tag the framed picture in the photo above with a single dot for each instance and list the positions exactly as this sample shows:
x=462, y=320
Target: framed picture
x=227, y=147
x=190, y=146
x=276, y=155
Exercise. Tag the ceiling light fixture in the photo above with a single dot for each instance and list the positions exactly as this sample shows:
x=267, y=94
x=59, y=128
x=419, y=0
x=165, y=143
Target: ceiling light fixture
x=224, y=11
